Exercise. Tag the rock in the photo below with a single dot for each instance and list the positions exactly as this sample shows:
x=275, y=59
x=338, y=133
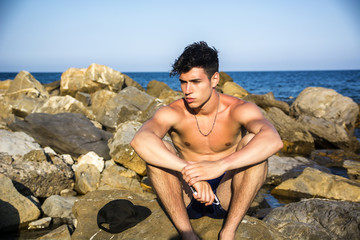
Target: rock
x=53, y=87
x=155, y=88
x=41, y=223
x=296, y=138
x=333, y=157
x=314, y=183
x=16, y=143
x=329, y=115
x=353, y=169
x=129, y=82
x=106, y=76
x=62, y=104
x=90, y=158
x=90, y=80
x=317, y=219
x=157, y=225
x=15, y=209
x=56, y=206
x=60, y=233
x=283, y=168
x=233, y=89
x=329, y=135
x=151, y=109
x=34, y=174
x=85, y=98
x=224, y=77
x=23, y=105
x=68, y=193
x=87, y=178
x=6, y=114
x=121, y=178
x=267, y=101
x=73, y=80
x=4, y=85
x=170, y=96
x=127, y=105
x=53, y=130
x=26, y=84
x=122, y=152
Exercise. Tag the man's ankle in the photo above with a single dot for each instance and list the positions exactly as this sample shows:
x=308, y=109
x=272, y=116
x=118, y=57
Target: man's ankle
x=226, y=235
x=189, y=235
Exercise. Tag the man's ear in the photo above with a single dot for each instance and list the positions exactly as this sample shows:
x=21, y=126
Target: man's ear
x=215, y=79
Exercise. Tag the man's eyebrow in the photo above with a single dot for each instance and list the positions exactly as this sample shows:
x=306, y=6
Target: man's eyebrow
x=191, y=80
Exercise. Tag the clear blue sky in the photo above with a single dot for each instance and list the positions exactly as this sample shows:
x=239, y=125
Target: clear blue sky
x=136, y=35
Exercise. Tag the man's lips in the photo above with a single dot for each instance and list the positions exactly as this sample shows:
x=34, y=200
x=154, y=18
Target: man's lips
x=190, y=100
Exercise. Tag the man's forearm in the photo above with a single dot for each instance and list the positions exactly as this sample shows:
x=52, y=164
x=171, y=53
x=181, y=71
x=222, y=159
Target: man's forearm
x=154, y=151
x=260, y=147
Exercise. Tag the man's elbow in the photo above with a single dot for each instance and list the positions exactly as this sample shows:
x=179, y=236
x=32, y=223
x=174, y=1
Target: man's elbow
x=134, y=142
x=278, y=144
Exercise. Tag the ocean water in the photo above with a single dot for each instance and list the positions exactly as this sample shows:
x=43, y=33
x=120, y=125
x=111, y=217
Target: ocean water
x=285, y=85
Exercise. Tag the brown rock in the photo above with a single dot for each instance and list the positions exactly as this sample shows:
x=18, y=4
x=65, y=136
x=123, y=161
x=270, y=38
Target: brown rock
x=314, y=183
x=233, y=89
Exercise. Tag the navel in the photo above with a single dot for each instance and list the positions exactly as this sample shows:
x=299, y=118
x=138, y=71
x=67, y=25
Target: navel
x=187, y=144
x=228, y=144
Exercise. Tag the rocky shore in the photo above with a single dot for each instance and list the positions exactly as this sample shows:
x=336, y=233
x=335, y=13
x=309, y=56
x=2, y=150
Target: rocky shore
x=65, y=152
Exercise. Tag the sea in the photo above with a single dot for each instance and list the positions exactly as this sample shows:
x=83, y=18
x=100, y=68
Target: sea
x=285, y=85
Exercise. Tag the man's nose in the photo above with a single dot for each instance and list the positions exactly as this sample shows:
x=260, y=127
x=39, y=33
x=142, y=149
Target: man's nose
x=188, y=88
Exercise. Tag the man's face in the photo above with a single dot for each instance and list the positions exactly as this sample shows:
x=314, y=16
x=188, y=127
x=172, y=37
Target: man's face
x=197, y=87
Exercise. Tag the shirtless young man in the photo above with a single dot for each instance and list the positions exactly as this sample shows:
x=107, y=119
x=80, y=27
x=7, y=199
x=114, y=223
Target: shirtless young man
x=208, y=131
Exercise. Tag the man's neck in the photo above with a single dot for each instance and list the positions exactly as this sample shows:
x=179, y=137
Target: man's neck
x=210, y=106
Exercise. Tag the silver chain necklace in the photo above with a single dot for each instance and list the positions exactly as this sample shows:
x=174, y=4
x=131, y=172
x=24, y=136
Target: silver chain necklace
x=213, y=125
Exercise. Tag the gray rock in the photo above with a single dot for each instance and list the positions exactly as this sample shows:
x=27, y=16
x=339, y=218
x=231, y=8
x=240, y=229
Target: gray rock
x=66, y=133
x=317, y=219
x=87, y=178
x=59, y=207
x=17, y=143
x=154, y=88
x=36, y=174
x=15, y=209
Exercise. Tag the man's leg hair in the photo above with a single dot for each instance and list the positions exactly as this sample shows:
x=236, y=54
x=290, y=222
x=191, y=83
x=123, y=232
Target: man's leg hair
x=169, y=191
x=237, y=191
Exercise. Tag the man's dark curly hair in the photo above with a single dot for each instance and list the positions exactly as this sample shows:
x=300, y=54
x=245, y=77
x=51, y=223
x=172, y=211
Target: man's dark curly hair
x=198, y=54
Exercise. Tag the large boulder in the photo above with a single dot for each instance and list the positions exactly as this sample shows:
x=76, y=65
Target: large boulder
x=23, y=105
x=296, y=138
x=224, y=77
x=25, y=84
x=317, y=219
x=92, y=79
x=16, y=143
x=15, y=209
x=122, y=152
x=127, y=105
x=61, y=104
x=35, y=174
x=66, y=133
x=329, y=116
x=314, y=183
x=157, y=225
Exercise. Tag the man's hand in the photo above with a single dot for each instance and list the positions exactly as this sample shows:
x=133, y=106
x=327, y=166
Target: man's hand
x=204, y=193
x=199, y=171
